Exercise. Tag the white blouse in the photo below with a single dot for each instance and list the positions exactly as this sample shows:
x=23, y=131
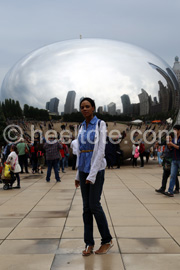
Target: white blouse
x=12, y=159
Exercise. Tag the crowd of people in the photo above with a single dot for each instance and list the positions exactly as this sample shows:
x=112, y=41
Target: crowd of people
x=170, y=159
x=167, y=153
x=36, y=155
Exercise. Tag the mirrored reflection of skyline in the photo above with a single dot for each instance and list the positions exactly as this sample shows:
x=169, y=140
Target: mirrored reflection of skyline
x=105, y=70
x=168, y=99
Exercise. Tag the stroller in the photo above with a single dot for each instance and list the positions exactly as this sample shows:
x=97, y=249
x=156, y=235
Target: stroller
x=7, y=180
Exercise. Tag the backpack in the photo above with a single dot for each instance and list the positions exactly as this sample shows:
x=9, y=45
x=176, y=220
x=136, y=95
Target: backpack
x=39, y=153
x=136, y=154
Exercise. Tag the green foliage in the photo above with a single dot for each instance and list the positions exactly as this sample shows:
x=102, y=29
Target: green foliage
x=77, y=117
x=11, y=109
x=109, y=118
x=160, y=116
x=56, y=117
x=35, y=113
x=2, y=125
x=73, y=117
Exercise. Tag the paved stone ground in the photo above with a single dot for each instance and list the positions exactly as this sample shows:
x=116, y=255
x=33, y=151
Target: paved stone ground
x=41, y=224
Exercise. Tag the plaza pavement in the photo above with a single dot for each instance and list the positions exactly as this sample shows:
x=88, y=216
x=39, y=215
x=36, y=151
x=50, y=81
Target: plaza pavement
x=41, y=224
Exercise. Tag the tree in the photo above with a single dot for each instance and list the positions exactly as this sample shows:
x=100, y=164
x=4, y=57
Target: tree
x=11, y=109
x=26, y=110
x=18, y=109
x=2, y=125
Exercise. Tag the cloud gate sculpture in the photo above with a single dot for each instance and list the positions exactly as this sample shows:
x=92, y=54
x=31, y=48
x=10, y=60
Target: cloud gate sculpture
x=120, y=77
x=107, y=70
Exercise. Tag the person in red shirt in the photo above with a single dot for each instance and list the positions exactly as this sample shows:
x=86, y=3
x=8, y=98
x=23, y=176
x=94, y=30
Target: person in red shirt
x=61, y=164
x=141, y=151
x=33, y=154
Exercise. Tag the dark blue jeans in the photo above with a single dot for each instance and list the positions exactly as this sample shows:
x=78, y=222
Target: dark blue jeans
x=66, y=159
x=52, y=164
x=16, y=175
x=175, y=165
x=166, y=174
x=34, y=163
x=91, y=195
x=23, y=162
x=61, y=164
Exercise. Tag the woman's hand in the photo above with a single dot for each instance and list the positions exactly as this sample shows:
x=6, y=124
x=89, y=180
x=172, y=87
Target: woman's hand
x=88, y=182
x=76, y=183
x=170, y=144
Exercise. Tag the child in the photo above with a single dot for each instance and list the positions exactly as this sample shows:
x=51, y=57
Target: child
x=12, y=159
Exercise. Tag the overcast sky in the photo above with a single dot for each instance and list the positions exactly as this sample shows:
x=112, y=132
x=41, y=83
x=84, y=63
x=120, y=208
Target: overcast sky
x=28, y=25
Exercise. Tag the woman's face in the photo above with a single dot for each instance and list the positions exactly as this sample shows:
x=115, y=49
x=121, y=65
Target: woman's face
x=87, y=109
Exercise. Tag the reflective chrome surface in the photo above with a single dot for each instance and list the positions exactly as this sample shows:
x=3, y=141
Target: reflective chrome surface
x=105, y=70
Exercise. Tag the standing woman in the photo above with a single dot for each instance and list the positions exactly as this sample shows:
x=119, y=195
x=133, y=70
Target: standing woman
x=91, y=166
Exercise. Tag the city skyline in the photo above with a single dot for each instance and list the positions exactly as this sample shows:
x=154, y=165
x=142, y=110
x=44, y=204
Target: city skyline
x=168, y=99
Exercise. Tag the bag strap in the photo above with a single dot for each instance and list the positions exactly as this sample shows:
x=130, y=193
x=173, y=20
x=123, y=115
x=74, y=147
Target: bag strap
x=99, y=122
x=15, y=160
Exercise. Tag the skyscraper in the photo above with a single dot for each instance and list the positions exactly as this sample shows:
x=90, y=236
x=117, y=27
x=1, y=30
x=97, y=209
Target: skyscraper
x=118, y=111
x=53, y=105
x=112, y=108
x=47, y=105
x=126, y=103
x=144, y=102
x=80, y=102
x=164, y=97
x=69, y=105
x=100, y=109
x=176, y=68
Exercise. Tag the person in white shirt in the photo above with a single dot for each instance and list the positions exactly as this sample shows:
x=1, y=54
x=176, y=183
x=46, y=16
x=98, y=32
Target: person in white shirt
x=91, y=166
x=135, y=154
x=12, y=159
x=73, y=146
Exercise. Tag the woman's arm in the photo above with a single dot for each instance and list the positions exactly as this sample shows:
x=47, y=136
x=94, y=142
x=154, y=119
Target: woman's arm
x=9, y=159
x=173, y=145
x=77, y=160
x=99, y=152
